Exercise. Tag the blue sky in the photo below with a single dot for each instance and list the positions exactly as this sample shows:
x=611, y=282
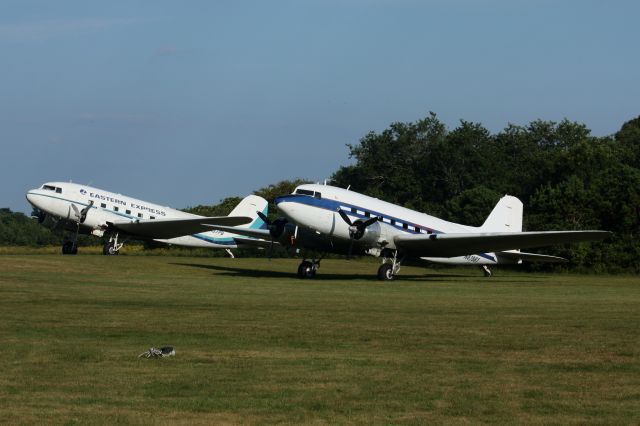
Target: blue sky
x=185, y=103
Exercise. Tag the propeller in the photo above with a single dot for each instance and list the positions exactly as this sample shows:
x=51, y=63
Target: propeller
x=357, y=228
x=82, y=214
x=276, y=228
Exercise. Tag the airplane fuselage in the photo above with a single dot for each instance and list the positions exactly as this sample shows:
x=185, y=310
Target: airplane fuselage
x=314, y=209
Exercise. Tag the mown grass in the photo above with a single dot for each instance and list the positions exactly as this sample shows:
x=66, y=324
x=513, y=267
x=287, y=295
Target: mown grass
x=255, y=345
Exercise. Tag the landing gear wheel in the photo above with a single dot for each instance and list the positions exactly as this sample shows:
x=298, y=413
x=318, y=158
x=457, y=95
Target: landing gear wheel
x=306, y=270
x=385, y=272
x=109, y=249
x=69, y=247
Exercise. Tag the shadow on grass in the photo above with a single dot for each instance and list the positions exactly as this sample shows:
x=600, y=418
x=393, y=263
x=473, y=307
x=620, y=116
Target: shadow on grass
x=262, y=273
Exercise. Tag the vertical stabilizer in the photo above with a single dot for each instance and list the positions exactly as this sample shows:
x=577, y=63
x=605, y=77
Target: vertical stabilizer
x=250, y=206
x=506, y=216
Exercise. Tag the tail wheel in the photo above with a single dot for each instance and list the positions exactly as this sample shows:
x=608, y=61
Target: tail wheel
x=385, y=272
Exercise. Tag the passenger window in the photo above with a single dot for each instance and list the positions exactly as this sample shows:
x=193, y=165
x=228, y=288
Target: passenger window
x=49, y=187
x=128, y=211
x=59, y=190
x=354, y=210
x=115, y=209
x=429, y=232
x=417, y=230
x=152, y=217
x=367, y=214
x=393, y=222
x=103, y=205
x=405, y=226
x=139, y=214
x=318, y=195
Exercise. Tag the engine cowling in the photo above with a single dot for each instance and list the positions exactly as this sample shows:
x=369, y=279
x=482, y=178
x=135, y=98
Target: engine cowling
x=368, y=236
x=286, y=234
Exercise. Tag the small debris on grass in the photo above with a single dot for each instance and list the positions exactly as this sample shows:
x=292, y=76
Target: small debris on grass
x=158, y=352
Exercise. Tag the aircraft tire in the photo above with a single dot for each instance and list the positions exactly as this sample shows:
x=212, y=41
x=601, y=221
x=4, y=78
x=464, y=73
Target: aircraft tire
x=305, y=270
x=385, y=272
x=68, y=247
x=108, y=249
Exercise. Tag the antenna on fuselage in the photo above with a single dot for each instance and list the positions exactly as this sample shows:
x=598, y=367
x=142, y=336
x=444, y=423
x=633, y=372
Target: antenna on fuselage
x=348, y=187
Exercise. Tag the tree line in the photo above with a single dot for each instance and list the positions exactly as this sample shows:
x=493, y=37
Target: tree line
x=566, y=178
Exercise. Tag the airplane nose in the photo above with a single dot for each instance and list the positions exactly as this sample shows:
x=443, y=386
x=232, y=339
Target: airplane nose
x=281, y=203
x=31, y=198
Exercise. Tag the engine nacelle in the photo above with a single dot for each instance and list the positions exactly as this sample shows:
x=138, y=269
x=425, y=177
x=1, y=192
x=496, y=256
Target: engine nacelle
x=287, y=236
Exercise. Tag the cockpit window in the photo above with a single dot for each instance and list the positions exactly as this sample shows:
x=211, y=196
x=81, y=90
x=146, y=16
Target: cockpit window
x=52, y=188
x=304, y=192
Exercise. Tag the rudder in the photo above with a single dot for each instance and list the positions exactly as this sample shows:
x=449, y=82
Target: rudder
x=506, y=216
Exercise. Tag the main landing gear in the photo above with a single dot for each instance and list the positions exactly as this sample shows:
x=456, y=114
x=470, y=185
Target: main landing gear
x=308, y=268
x=390, y=265
x=70, y=247
x=112, y=247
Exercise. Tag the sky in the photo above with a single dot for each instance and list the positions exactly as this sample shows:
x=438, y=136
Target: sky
x=186, y=103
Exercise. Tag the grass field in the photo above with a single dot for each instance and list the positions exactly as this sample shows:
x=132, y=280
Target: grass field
x=255, y=345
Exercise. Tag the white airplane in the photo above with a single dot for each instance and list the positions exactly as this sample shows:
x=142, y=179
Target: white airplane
x=83, y=209
x=323, y=218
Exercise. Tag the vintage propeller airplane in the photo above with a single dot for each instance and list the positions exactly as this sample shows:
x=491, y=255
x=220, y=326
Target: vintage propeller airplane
x=81, y=209
x=326, y=219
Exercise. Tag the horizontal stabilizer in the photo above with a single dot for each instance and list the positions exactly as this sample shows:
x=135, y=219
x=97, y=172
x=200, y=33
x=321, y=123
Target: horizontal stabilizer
x=247, y=232
x=172, y=228
x=461, y=244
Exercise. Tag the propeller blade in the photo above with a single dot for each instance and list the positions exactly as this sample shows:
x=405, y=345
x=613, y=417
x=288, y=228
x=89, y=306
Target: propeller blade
x=269, y=226
x=370, y=221
x=75, y=210
x=264, y=218
x=350, y=249
x=83, y=212
x=344, y=217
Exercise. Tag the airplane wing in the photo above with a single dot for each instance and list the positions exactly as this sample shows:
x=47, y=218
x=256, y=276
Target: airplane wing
x=247, y=232
x=461, y=244
x=530, y=257
x=172, y=228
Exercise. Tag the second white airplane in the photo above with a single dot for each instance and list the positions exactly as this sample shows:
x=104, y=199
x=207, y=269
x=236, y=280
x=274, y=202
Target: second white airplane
x=81, y=209
x=323, y=218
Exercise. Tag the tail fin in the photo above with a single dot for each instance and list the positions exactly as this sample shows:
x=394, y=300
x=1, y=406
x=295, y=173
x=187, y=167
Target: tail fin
x=506, y=216
x=249, y=206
